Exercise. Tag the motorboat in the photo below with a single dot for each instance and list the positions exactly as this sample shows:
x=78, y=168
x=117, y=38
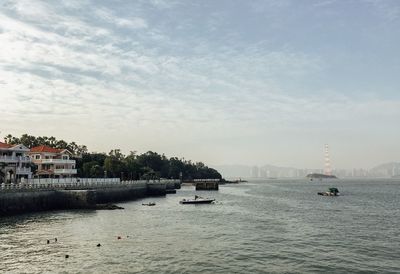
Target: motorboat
x=197, y=200
x=149, y=204
x=333, y=191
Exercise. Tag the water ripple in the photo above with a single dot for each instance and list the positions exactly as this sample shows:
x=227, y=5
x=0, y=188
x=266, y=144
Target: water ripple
x=263, y=227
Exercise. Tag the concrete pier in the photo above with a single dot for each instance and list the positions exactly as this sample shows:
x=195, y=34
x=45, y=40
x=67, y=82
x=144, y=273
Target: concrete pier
x=207, y=185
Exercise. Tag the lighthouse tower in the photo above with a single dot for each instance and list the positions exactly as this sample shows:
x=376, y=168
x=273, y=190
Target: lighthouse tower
x=328, y=168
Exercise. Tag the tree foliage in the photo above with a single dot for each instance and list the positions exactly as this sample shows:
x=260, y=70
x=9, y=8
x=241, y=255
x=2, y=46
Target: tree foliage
x=32, y=141
x=149, y=165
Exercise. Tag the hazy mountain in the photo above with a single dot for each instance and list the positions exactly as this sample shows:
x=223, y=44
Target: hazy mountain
x=386, y=170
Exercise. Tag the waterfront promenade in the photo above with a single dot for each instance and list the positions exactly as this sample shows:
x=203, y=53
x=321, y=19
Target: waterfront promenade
x=76, y=193
x=81, y=184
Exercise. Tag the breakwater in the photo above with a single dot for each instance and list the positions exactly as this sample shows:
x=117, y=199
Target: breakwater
x=17, y=199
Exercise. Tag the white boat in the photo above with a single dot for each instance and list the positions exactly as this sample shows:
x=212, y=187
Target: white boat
x=197, y=200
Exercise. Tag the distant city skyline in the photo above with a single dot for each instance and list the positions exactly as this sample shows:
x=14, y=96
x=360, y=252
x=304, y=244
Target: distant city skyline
x=384, y=170
x=222, y=82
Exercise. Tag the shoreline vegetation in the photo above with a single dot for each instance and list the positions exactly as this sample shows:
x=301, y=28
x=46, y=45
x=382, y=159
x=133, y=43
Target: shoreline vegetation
x=146, y=166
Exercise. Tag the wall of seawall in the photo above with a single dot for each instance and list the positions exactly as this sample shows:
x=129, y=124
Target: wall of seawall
x=29, y=201
x=121, y=193
x=174, y=185
x=156, y=189
x=19, y=201
x=77, y=199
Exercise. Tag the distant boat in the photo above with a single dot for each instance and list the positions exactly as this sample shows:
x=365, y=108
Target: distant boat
x=333, y=191
x=149, y=204
x=197, y=200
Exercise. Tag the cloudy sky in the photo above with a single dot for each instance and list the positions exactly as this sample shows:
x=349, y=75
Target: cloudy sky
x=224, y=82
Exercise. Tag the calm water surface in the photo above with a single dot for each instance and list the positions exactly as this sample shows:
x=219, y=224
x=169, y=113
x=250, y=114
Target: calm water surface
x=270, y=226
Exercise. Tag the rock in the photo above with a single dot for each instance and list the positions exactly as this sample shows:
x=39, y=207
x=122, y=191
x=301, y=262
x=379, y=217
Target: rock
x=108, y=207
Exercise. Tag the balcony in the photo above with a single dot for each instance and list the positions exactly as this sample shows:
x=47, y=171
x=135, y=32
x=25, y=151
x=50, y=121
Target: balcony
x=14, y=159
x=57, y=161
x=24, y=170
x=65, y=171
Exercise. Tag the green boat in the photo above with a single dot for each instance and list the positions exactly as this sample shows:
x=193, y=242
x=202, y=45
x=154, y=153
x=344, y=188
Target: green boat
x=333, y=191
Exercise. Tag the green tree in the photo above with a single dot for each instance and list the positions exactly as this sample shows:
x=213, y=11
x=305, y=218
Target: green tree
x=114, y=164
x=2, y=172
x=149, y=165
x=133, y=168
x=92, y=170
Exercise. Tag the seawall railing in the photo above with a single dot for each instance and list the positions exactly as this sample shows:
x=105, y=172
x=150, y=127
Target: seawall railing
x=206, y=180
x=77, y=184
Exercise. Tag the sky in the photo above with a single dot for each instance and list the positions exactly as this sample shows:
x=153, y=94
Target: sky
x=219, y=81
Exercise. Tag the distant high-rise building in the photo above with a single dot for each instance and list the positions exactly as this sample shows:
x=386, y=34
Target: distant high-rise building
x=263, y=173
x=255, y=172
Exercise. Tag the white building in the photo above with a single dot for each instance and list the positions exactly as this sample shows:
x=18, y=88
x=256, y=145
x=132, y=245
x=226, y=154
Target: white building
x=52, y=162
x=14, y=163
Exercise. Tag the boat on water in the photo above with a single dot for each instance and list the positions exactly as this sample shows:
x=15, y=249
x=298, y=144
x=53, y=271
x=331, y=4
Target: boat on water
x=149, y=204
x=197, y=200
x=332, y=191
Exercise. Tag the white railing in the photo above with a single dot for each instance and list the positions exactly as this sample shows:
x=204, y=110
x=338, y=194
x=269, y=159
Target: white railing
x=65, y=171
x=14, y=159
x=23, y=170
x=206, y=180
x=71, y=180
x=75, y=183
x=57, y=161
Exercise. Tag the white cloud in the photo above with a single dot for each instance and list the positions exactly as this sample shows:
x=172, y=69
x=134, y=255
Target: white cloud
x=91, y=77
x=108, y=16
x=389, y=10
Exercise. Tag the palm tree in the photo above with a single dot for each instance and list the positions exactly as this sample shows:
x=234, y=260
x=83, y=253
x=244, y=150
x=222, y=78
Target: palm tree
x=2, y=172
x=2, y=175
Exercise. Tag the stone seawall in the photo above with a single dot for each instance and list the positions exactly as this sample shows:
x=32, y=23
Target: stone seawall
x=21, y=202
x=117, y=194
x=18, y=202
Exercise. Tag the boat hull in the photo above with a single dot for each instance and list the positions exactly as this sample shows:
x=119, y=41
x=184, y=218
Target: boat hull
x=149, y=204
x=328, y=194
x=208, y=201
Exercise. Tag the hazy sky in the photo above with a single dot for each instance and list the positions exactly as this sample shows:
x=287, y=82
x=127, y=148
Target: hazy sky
x=224, y=82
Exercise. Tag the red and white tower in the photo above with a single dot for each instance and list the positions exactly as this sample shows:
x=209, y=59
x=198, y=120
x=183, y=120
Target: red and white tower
x=328, y=168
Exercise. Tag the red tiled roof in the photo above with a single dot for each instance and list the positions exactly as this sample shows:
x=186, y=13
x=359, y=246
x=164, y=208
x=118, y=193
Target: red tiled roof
x=46, y=149
x=4, y=145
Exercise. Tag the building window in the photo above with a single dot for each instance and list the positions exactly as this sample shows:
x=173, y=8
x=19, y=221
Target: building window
x=65, y=157
x=37, y=157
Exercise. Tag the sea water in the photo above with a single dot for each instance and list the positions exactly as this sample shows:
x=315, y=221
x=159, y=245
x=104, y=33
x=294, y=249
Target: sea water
x=270, y=226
